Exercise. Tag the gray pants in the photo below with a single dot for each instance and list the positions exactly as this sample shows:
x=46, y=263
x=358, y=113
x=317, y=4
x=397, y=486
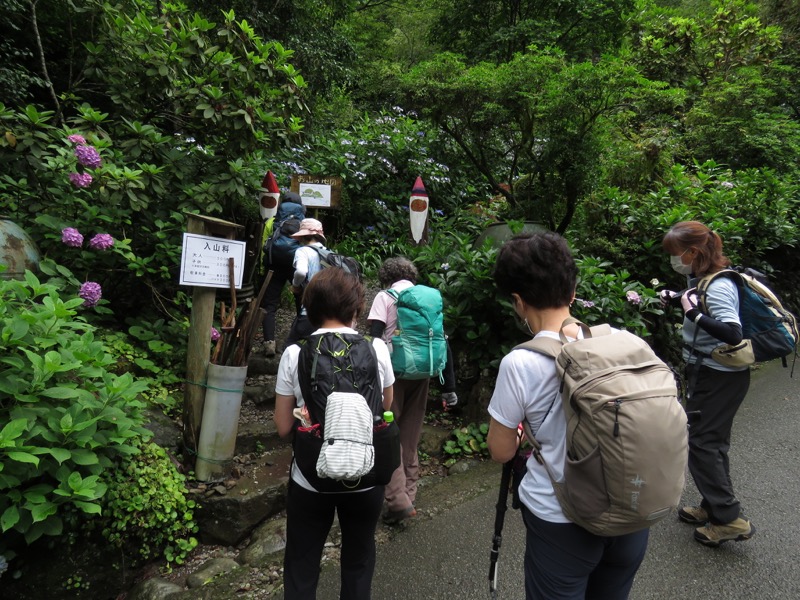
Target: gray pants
x=713, y=404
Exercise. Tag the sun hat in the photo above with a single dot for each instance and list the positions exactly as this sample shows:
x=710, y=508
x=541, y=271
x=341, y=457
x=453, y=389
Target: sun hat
x=309, y=227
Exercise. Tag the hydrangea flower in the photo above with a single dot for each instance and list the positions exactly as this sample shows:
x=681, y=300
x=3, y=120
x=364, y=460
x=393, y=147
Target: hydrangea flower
x=77, y=139
x=445, y=266
x=88, y=156
x=586, y=303
x=633, y=297
x=80, y=180
x=72, y=237
x=102, y=241
x=215, y=334
x=655, y=282
x=91, y=292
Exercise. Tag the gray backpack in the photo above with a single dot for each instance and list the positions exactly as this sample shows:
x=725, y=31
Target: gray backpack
x=627, y=441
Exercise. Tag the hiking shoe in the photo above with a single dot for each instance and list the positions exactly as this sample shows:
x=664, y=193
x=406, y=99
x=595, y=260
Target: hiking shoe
x=393, y=517
x=714, y=535
x=449, y=400
x=269, y=348
x=694, y=515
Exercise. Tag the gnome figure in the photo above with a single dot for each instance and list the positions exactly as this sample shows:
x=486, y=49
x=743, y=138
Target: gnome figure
x=268, y=196
x=418, y=210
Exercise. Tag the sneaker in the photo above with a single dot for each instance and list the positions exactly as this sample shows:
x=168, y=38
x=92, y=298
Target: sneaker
x=714, y=535
x=269, y=348
x=449, y=400
x=694, y=515
x=393, y=517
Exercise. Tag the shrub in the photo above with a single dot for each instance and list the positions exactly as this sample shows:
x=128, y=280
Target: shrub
x=67, y=418
x=146, y=507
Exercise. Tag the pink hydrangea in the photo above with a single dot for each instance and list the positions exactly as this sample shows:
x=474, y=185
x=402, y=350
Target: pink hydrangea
x=88, y=156
x=215, y=334
x=633, y=297
x=80, y=180
x=91, y=292
x=72, y=237
x=102, y=241
x=77, y=139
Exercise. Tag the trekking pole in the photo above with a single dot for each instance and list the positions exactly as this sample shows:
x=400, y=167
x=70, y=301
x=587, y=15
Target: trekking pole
x=501, y=508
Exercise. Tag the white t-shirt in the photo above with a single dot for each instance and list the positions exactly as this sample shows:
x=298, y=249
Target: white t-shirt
x=288, y=381
x=527, y=390
x=384, y=309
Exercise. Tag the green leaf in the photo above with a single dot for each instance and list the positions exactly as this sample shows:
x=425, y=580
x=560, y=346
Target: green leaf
x=59, y=392
x=10, y=518
x=88, y=507
x=24, y=457
x=60, y=454
x=12, y=431
x=40, y=512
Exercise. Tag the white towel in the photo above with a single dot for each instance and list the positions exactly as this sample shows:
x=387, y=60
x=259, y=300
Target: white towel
x=347, y=451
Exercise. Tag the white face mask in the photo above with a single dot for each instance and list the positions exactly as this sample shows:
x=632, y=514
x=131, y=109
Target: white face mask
x=678, y=266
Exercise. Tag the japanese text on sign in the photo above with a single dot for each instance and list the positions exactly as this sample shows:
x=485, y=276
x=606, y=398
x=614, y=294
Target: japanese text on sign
x=204, y=261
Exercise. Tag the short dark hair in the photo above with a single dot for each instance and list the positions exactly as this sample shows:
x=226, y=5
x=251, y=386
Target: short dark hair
x=539, y=267
x=397, y=268
x=333, y=294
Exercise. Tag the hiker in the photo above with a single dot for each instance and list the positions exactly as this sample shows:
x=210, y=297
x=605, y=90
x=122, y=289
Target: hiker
x=562, y=559
x=410, y=395
x=306, y=265
x=714, y=391
x=333, y=301
x=279, y=258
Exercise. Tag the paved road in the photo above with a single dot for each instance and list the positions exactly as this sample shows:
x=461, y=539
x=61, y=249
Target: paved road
x=444, y=553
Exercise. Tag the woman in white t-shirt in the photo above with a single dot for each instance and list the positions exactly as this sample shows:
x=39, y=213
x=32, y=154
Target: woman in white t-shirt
x=562, y=560
x=333, y=300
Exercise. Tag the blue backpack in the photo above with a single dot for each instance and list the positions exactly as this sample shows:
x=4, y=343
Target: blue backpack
x=419, y=347
x=280, y=246
x=769, y=330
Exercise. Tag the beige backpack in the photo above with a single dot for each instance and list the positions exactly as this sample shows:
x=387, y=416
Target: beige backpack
x=627, y=441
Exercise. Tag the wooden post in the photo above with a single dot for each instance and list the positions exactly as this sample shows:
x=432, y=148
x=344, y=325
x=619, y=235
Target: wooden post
x=199, y=345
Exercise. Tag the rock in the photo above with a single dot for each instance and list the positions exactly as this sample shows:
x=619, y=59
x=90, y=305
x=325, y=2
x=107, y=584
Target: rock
x=262, y=391
x=267, y=539
x=165, y=431
x=258, y=364
x=257, y=437
x=153, y=589
x=462, y=466
x=210, y=570
x=258, y=495
x=432, y=439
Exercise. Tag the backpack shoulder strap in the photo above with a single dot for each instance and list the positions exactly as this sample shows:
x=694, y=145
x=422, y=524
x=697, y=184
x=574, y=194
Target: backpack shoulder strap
x=542, y=345
x=705, y=282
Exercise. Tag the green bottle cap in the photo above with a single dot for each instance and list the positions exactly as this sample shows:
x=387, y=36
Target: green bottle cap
x=388, y=416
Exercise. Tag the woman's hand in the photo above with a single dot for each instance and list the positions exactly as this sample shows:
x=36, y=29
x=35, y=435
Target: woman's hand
x=689, y=300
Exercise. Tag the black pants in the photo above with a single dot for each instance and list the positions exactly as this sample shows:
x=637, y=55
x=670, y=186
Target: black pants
x=712, y=404
x=565, y=562
x=272, y=297
x=309, y=516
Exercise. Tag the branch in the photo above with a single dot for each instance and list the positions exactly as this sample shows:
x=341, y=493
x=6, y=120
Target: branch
x=42, y=62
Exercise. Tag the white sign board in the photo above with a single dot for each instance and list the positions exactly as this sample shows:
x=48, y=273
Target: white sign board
x=315, y=195
x=204, y=261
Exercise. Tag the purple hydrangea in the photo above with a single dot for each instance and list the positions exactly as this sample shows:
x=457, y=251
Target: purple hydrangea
x=91, y=292
x=72, y=237
x=587, y=303
x=633, y=297
x=77, y=139
x=102, y=241
x=88, y=156
x=80, y=180
x=215, y=335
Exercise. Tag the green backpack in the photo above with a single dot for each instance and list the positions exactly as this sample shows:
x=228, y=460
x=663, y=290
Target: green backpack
x=419, y=349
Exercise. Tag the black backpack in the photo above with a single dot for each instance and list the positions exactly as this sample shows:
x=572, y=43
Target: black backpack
x=328, y=258
x=342, y=362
